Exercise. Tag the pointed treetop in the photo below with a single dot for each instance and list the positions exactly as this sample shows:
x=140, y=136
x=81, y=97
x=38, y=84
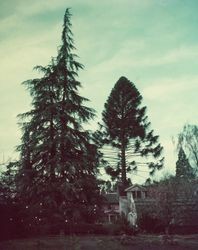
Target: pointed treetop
x=183, y=167
x=126, y=128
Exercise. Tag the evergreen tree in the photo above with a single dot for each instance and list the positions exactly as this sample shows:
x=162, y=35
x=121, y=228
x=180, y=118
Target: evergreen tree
x=7, y=183
x=125, y=128
x=9, y=208
x=57, y=177
x=183, y=167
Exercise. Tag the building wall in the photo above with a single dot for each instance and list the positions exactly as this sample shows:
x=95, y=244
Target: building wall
x=123, y=205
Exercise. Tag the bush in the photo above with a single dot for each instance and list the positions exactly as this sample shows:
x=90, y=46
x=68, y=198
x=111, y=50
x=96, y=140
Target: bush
x=150, y=224
x=184, y=229
x=82, y=228
x=101, y=229
x=10, y=222
x=125, y=227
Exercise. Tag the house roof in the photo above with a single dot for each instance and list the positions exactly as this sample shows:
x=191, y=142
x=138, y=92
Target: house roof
x=135, y=187
x=111, y=198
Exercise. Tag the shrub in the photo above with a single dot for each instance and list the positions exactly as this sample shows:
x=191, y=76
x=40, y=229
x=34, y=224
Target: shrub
x=150, y=224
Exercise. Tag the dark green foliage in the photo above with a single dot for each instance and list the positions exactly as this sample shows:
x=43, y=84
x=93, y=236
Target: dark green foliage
x=150, y=224
x=108, y=186
x=183, y=167
x=126, y=129
x=9, y=208
x=7, y=183
x=57, y=177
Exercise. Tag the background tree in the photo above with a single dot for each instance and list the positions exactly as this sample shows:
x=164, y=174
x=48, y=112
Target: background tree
x=9, y=215
x=57, y=176
x=175, y=202
x=183, y=167
x=7, y=182
x=188, y=140
x=126, y=129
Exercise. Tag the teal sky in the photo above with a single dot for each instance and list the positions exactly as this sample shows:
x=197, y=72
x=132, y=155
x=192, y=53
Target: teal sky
x=151, y=42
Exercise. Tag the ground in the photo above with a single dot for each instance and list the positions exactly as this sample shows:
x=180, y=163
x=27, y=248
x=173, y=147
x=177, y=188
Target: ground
x=140, y=242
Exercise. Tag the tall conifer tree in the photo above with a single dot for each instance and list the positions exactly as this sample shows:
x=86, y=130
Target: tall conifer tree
x=57, y=177
x=125, y=128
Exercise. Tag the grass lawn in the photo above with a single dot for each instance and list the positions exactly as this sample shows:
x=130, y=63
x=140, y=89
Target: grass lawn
x=140, y=242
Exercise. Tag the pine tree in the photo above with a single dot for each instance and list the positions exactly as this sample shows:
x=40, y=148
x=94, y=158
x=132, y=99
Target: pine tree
x=8, y=205
x=57, y=177
x=126, y=129
x=7, y=183
x=183, y=167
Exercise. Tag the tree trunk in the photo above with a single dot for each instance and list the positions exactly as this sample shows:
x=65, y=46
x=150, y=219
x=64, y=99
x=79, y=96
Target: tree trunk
x=52, y=133
x=52, y=150
x=123, y=162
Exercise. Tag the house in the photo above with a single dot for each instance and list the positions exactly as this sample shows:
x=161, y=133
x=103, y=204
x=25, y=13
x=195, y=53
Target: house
x=143, y=199
x=137, y=200
x=138, y=191
x=111, y=207
x=125, y=203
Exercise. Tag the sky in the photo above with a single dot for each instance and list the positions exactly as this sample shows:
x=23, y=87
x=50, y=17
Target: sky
x=151, y=42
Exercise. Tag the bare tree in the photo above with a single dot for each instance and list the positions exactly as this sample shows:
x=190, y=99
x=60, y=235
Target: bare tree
x=188, y=140
x=175, y=201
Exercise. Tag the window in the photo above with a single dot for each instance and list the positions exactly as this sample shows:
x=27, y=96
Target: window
x=134, y=194
x=138, y=194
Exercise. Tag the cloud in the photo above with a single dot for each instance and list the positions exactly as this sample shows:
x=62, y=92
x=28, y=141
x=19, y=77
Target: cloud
x=173, y=56
x=170, y=87
x=127, y=57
